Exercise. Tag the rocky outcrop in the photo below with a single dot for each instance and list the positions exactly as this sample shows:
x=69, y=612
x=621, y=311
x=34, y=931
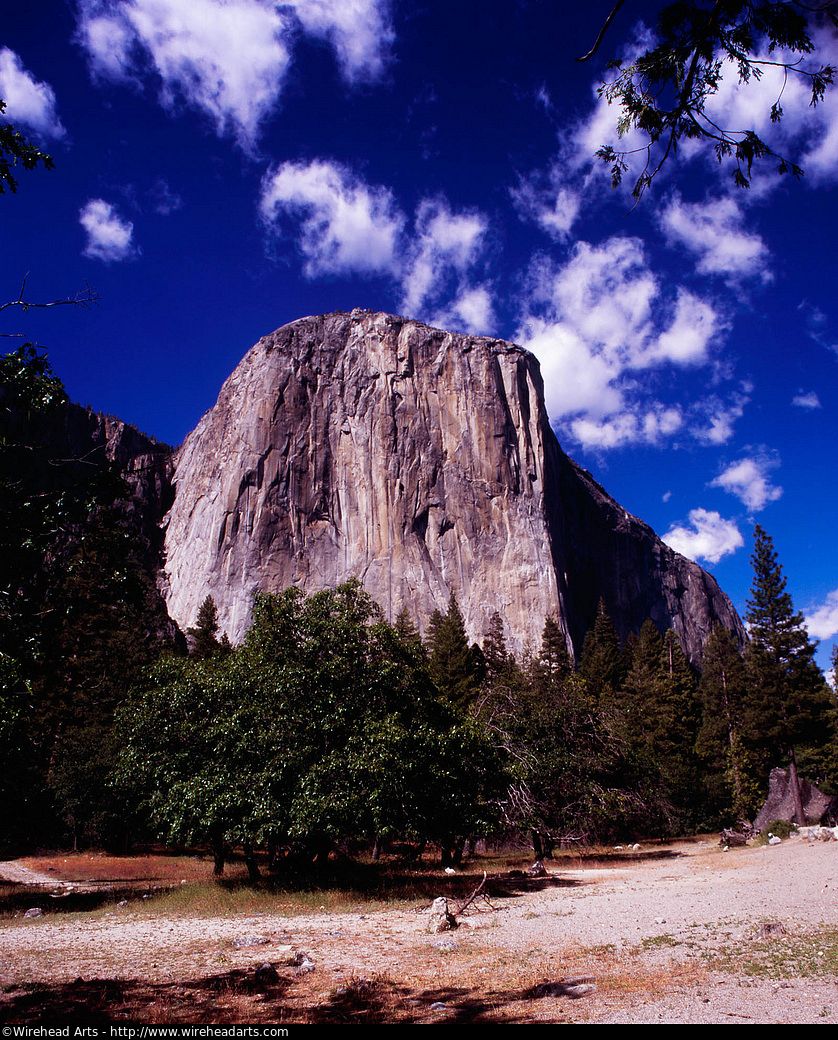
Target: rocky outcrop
x=779, y=805
x=422, y=462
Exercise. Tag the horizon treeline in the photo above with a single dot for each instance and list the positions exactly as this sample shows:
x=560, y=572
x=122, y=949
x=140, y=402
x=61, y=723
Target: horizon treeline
x=329, y=727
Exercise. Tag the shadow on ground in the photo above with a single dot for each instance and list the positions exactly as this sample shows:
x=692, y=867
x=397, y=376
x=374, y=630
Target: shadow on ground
x=243, y=996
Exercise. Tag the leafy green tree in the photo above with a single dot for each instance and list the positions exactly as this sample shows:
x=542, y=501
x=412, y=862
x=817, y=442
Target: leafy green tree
x=663, y=92
x=323, y=726
x=15, y=149
x=790, y=708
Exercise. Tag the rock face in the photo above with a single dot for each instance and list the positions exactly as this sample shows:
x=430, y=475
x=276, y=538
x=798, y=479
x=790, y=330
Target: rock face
x=422, y=462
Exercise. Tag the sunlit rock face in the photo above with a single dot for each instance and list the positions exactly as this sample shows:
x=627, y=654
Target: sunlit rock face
x=422, y=462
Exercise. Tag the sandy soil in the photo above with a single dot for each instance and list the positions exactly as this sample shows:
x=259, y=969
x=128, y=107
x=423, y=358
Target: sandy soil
x=688, y=938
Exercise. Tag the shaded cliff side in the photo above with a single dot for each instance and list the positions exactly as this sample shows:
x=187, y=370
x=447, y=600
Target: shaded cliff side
x=422, y=462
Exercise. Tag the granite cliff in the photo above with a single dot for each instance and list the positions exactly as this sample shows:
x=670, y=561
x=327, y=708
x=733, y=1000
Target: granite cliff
x=422, y=462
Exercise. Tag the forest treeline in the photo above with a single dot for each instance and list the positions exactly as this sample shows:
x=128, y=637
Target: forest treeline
x=330, y=727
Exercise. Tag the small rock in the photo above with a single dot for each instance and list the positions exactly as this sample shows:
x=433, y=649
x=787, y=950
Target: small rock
x=266, y=974
x=635, y=847
x=34, y=911
x=122, y=902
x=769, y=929
x=447, y=945
x=574, y=988
x=450, y=870
x=537, y=869
x=660, y=920
x=242, y=942
x=438, y=1006
x=306, y=966
x=774, y=840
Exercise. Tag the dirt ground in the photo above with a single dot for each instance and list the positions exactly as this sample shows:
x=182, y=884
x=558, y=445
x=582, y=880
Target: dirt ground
x=688, y=933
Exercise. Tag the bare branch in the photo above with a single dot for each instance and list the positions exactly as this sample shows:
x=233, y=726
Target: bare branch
x=601, y=35
x=83, y=298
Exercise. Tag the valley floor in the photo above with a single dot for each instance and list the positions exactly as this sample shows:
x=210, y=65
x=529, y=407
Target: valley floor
x=688, y=933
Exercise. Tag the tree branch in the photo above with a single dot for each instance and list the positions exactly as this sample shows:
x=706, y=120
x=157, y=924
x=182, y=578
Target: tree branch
x=601, y=35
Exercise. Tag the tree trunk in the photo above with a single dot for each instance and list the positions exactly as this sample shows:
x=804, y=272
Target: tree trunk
x=794, y=779
x=376, y=850
x=251, y=864
x=537, y=846
x=218, y=854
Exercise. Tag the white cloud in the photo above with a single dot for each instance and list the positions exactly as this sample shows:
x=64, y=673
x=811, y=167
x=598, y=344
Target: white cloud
x=748, y=479
x=809, y=401
x=713, y=232
x=554, y=208
x=444, y=243
x=472, y=311
x=360, y=31
x=228, y=58
x=109, y=237
x=708, y=537
x=346, y=226
x=599, y=322
x=714, y=420
x=822, y=621
x=817, y=325
x=29, y=102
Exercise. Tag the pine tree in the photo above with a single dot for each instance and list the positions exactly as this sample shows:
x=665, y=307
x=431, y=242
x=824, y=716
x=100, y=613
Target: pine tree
x=204, y=635
x=455, y=667
x=728, y=767
x=601, y=664
x=551, y=668
x=789, y=704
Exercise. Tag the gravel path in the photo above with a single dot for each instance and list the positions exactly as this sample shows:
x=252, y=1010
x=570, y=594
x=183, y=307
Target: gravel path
x=651, y=916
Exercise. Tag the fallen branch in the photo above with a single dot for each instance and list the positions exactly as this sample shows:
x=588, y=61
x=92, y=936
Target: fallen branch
x=463, y=906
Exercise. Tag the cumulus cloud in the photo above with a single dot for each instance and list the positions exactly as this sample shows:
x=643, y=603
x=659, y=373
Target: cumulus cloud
x=749, y=480
x=809, y=401
x=471, y=311
x=360, y=31
x=345, y=225
x=713, y=232
x=596, y=324
x=707, y=536
x=822, y=620
x=109, y=237
x=228, y=58
x=29, y=102
x=444, y=243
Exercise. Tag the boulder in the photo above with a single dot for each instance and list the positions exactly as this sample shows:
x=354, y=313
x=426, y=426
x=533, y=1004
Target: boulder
x=440, y=918
x=779, y=805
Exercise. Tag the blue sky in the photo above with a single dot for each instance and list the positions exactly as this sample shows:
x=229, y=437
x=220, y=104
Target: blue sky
x=225, y=167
